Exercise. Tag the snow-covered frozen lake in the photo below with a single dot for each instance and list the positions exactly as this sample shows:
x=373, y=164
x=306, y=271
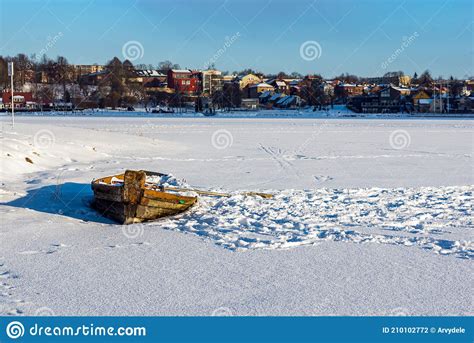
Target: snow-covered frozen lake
x=370, y=217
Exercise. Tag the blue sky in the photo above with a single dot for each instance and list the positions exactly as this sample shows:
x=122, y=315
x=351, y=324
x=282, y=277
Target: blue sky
x=364, y=37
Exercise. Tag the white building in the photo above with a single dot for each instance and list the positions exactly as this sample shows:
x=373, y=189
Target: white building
x=212, y=81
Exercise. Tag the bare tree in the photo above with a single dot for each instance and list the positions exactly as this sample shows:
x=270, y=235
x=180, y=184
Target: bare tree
x=167, y=65
x=425, y=79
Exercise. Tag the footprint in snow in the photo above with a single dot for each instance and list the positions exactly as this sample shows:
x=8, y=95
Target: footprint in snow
x=322, y=178
x=29, y=252
x=15, y=312
x=8, y=275
x=140, y=243
x=7, y=303
x=135, y=244
x=60, y=245
x=53, y=248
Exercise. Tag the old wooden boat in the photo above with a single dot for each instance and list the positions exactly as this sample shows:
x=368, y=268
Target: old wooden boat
x=128, y=198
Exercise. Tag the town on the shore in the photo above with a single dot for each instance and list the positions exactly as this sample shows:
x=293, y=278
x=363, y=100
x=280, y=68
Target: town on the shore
x=44, y=84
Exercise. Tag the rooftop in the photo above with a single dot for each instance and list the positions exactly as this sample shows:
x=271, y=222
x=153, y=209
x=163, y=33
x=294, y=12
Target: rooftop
x=187, y=71
x=150, y=73
x=262, y=84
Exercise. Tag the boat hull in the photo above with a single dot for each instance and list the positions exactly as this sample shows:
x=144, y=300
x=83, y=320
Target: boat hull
x=133, y=201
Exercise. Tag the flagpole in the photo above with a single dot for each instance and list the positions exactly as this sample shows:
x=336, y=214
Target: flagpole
x=10, y=71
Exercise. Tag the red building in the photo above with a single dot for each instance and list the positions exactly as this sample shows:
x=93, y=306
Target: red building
x=20, y=99
x=184, y=81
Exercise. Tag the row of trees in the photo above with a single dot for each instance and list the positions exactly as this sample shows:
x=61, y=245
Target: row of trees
x=53, y=79
x=26, y=68
x=59, y=69
x=118, y=87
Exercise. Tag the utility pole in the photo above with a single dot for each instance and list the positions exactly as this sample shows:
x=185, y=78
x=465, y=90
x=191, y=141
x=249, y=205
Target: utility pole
x=447, y=99
x=440, y=97
x=210, y=84
x=10, y=73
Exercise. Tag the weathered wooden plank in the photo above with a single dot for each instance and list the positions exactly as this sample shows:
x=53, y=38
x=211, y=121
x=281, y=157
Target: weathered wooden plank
x=107, y=188
x=134, y=182
x=147, y=212
x=163, y=196
x=110, y=209
x=108, y=196
x=130, y=210
x=164, y=204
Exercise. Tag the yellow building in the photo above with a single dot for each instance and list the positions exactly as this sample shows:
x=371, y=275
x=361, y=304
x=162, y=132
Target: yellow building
x=84, y=69
x=422, y=101
x=255, y=90
x=249, y=79
x=405, y=80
